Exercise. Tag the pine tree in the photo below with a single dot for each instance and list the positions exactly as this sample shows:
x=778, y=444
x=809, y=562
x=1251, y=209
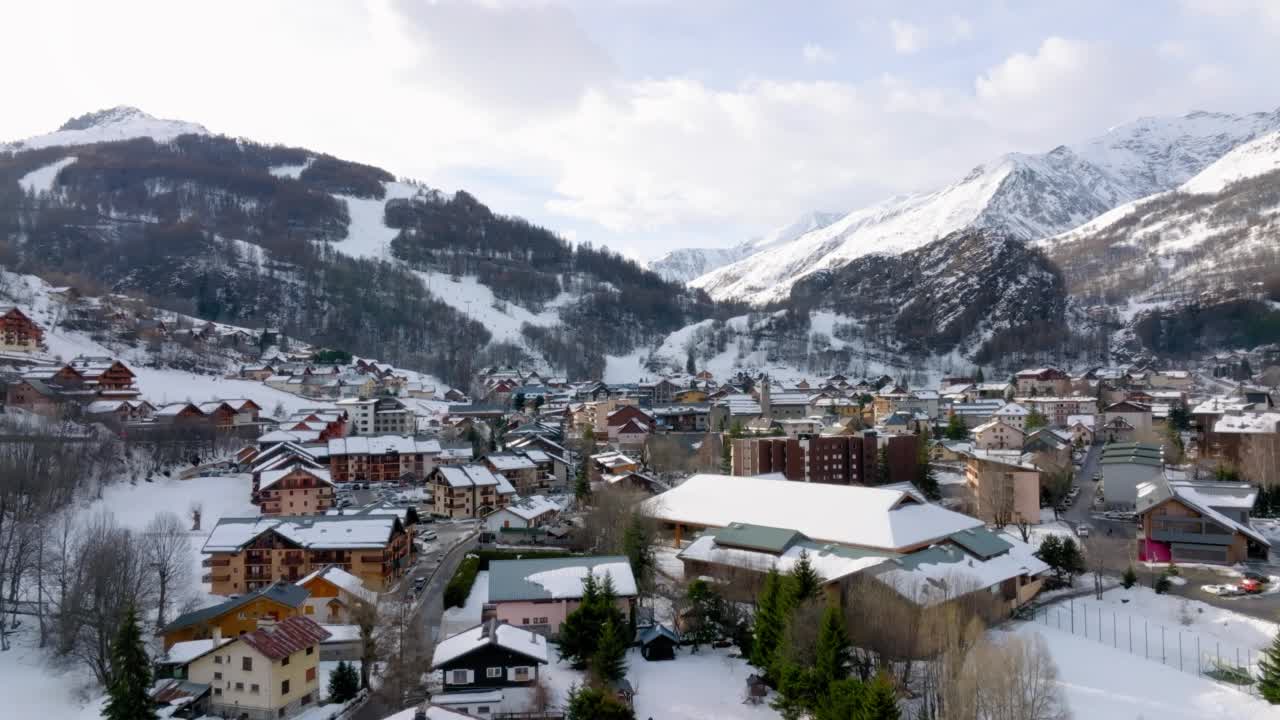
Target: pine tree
x=637, y=543
x=845, y=700
x=955, y=429
x=344, y=682
x=805, y=583
x=1035, y=420
x=1269, y=672
x=581, y=628
x=690, y=366
x=726, y=455
x=609, y=662
x=925, y=480
x=881, y=702
x=832, y=654
x=977, y=376
x=586, y=703
x=703, y=603
x=1129, y=578
x=770, y=620
x=882, y=465
x=799, y=690
x=128, y=694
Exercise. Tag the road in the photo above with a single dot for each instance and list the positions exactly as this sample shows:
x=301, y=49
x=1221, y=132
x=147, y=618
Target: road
x=1082, y=512
x=460, y=539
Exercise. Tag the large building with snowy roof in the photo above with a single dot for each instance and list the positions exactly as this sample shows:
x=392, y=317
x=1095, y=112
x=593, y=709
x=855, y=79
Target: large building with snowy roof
x=539, y=594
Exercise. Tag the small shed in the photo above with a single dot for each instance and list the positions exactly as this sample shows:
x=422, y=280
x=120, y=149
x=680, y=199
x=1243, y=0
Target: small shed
x=658, y=642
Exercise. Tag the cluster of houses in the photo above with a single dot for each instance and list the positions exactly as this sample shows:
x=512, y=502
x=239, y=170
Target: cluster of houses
x=300, y=374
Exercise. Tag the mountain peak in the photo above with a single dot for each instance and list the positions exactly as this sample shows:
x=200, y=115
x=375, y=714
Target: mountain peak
x=122, y=122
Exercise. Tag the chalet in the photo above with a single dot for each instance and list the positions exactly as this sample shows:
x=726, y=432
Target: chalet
x=119, y=411
x=271, y=672
x=468, y=491
x=992, y=391
x=106, y=376
x=218, y=414
x=381, y=458
x=1199, y=522
x=1137, y=415
x=517, y=468
x=612, y=463
x=493, y=664
x=539, y=594
x=1042, y=381
x=332, y=595
x=658, y=392
x=530, y=512
x=293, y=490
x=237, y=616
x=1081, y=428
x=632, y=433
x=34, y=396
x=256, y=372
x=181, y=413
x=1013, y=415
x=637, y=481
x=19, y=333
x=248, y=553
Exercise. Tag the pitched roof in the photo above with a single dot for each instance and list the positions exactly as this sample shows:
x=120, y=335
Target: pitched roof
x=280, y=591
x=491, y=633
x=556, y=578
x=342, y=579
x=310, y=531
x=286, y=637
x=270, y=477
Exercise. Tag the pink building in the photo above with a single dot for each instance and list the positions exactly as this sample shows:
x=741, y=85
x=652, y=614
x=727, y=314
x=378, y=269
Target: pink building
x=539, y=594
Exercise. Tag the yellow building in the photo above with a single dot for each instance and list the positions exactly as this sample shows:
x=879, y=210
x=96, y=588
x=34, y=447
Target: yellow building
x=272, y=672
x=232, y=618
x=332, y=594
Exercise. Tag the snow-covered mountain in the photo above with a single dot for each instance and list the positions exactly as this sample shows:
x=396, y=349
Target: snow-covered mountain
x=117, y=123
x=686, y=264
x=1026, y=196
x=1215, y=232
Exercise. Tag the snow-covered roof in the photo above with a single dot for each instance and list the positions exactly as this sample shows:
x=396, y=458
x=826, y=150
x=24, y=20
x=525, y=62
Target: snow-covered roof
x=506, y=462
x=1012, y=410
x=1248, y=423
x=1085, y=420
x=382, y=444
x=865, y=517
x=342, y=579
x=532, y=507
x=173, y=409
x=99, y=407
x=1010, y=458
x=994, y=423
x=1219, y=405
x=830, y=562
x=292, y=436
x=508, y=637
x=946, y=570
x=473, y=475
x=184, y=652
x=556, y=578
x=320, y=532
x=270, y=477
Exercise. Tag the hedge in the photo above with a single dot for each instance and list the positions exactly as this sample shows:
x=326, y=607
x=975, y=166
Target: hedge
x=459, y=587
x=493, y=554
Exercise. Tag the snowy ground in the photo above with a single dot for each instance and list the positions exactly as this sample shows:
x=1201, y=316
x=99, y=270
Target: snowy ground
x=33, y=688
x=167, y=386
x=1104, y=683
x=456, y=620
x=710, y=684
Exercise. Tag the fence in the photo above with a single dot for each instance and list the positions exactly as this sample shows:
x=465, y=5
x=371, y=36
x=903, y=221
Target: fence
x=1190, y=652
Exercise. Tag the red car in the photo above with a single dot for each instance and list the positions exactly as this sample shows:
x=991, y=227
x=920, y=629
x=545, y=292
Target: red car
x=1250, y=585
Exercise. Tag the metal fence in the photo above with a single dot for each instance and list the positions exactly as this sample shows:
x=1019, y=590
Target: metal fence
x=1176, y=647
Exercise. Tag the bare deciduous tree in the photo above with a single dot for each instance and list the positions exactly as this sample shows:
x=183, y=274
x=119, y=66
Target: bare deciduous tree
x=1012, y=679
x=168, y=553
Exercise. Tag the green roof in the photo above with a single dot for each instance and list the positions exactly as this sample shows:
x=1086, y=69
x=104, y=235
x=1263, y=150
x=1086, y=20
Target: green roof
x=757, y=537
x=981, y=542
x=1131, y=446
x=508, y=579
x=1131, y=460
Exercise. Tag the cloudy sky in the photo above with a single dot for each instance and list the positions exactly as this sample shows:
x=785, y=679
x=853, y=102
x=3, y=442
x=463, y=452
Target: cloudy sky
x=647, y=124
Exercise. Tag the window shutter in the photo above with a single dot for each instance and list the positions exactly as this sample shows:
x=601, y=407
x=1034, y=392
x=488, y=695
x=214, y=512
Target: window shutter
x=471, y=676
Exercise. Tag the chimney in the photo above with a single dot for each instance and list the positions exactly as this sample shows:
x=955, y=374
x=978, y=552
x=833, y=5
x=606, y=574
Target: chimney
x=217, y=636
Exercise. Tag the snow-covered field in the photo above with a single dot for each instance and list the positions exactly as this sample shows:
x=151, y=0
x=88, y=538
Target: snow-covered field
x=710, y=684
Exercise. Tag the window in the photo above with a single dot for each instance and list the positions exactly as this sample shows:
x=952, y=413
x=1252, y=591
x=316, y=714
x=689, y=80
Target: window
x=217, y=676
x=217, y=691
x=493, y=672
x=284, y=661
x=246, y=663
x=459, y=677
x=520, y=674
x=311, y=651
x=311, y=674
x=217, y=660
x=524, y=621
x=240, y=687
x=284, y=687
x=482, y=709
x=254, y=688
x=310, y=611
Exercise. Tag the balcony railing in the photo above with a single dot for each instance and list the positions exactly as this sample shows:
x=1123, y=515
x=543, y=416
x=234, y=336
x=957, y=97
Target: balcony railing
x=215, y=562
x=371, y=559
x=215, y=577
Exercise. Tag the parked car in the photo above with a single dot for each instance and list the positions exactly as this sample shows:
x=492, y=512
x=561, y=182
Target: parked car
x=1255, y=575
x=1082, y=531
x=428, y=535
x=1222, y=590
x=1251, y=586
x=1097, y=477
x=419, y=583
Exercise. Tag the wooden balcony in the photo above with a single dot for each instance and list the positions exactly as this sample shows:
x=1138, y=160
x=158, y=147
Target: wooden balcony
x=215, y=562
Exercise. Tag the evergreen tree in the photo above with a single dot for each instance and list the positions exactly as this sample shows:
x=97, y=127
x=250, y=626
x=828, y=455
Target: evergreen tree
x=1162, y=584
x=637, y=544
x=128, y=694
x=799, y=690
x=1036, y=420
x=704, y=614
x=925, y=480
x=833, y=651
x=882, y=465
x=581, y=628
x=344, y=682
x=518, y=401
x=586, y=703
x=977, y=376
x=955, y=429
x=770, y=620
x=726, y=455
x=845, y=700
x=690, y=366
x=882, y=701
x=609, y=662
x=1129, y=578
x=582, y=483
x=805, y=583
x=1269, y=672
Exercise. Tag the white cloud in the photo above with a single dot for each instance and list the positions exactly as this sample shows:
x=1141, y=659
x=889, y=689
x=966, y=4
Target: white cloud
x=815, y=54
x=907, y=38
x=960, y=29
x=1264, y=12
